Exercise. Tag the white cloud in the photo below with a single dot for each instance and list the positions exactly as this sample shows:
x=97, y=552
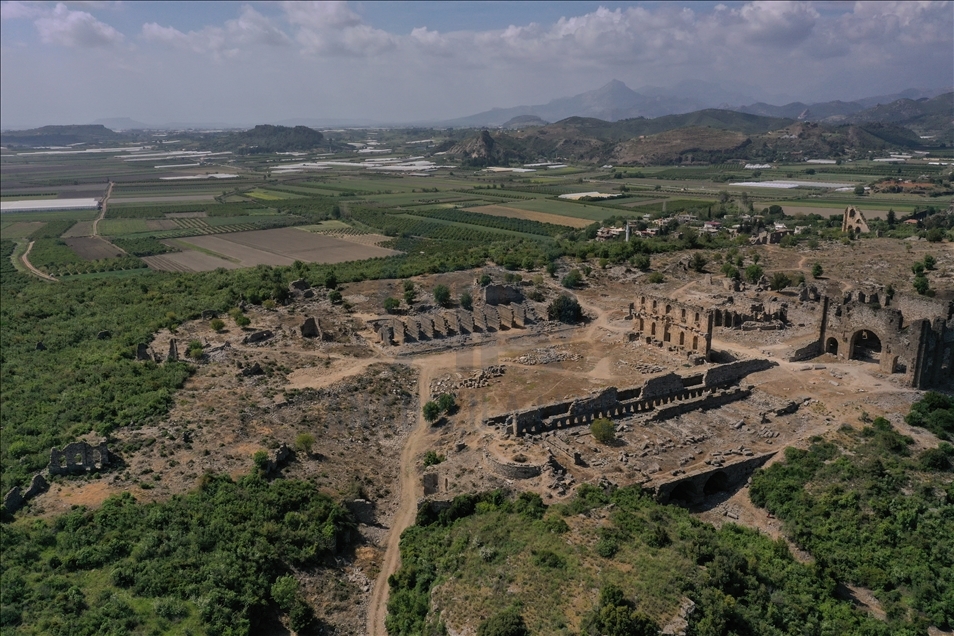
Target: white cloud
x=250, y=28
x=76, y=29
x=19, y=10
x=331, y=28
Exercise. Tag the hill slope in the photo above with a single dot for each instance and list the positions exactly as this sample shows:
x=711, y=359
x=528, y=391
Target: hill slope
x=60, y=136
x=266, y=138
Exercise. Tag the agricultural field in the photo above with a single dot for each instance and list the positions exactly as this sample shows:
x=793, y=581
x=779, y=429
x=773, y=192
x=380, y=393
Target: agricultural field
x=530, y=215
x=284, y=247
x=19, y=229
x=93, y=248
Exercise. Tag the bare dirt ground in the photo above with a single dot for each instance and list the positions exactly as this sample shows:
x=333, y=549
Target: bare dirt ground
x=360, y=400
x=25, y=259
x=93, y=248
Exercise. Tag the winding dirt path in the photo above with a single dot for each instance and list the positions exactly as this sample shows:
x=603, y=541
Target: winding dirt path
x=25, y=259
x=407, y=506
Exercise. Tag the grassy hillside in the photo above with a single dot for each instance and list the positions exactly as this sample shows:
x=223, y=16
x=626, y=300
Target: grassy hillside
x=265, y=138
x=61, y=136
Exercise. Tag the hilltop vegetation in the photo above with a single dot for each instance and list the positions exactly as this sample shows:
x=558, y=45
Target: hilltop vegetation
x=61, y=136
x=264, y=139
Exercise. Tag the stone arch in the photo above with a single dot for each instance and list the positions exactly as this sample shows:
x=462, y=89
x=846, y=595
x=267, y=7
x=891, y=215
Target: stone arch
x=717, y=482
x=652, y=329
x=695, y=342
x=667, y=335
x=682, y=338
x=642, y=324
x=831, y=346
x=642, y=301
x=668, y=309
x=684, y=493
x=717, y=317
x=697, y=318
x=865, y=345
x=684, y=314
x=655, y=304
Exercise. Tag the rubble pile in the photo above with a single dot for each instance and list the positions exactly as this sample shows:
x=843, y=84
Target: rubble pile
x=546, y=355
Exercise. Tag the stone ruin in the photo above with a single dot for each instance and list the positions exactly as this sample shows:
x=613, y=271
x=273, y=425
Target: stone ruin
x=858, y=327
x=393, y=330
x=664, y=322
x=854, y=221
x=666, y=396
x=77, y=458
x=501, y=294
x=311, y=328
x=15, y=499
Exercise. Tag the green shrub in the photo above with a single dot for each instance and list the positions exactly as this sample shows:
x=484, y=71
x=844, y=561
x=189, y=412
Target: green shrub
x=506, y=623
x=442, y=295
x=565, y=309
x=466, y=300
x=573, y=279
x=391, y=305
x=431, y=411
x=656, y=278
x=603, y=430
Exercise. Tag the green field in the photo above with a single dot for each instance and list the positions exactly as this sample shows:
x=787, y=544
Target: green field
x=577, y=210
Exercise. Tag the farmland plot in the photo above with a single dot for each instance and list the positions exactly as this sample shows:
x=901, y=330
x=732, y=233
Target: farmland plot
x=530, y=215
x=189, y=261
x=20, y=229
x=93, y=248
x=284, y=246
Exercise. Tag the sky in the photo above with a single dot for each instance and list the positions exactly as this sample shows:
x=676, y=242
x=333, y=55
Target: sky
x=246, y=63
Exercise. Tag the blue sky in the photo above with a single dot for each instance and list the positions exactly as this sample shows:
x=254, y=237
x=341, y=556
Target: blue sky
x=242, y=63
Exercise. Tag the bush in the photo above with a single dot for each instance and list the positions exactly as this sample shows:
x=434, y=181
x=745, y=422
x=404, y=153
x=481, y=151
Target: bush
x=754, y=273
x=485, y=280
x=922, y=286
x=194, y=350
x=641, y=262
x=929, y=261
x=431, y=458
x=603, y=430
x=779, y=281
x=391, y=305
x=466, y=300
x=304, y=442
x=656, y=278
x=934, y=235
x=442, y=295
x=573, y=279
x=431, y=411
x=447, y=403
x=565, y=309
x=242, y=320
x=731, y=271
x=507, y=623
x=217, y=324
x=334, y=296
x=698, y=262
x=817, y=270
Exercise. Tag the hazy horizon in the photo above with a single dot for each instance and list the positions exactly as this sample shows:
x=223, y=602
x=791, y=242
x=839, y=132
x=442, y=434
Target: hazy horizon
x=245, y=63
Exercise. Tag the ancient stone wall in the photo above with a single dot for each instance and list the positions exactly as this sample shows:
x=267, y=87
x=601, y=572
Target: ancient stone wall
x=14, y=499
x=854, y=221
x=501, y=294
x=513, y=470
x=665, y=322
x=654, y=395
x=424, y=327
x=858, y=329
x=735, y=371
x=691, y=489
x=78, y=457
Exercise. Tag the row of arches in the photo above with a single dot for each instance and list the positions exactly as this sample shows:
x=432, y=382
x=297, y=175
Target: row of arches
x=687, y=492
x=666, y=333
x=864, y=345
x=683, y=313
x=726, y=318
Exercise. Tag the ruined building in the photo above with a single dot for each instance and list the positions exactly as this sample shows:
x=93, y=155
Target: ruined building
x=665, y=322
x=854, y=221
x=912, y=336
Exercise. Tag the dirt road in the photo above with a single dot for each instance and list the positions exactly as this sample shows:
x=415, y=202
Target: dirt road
x=102, y=210
x=407, y=507
x=25, y=259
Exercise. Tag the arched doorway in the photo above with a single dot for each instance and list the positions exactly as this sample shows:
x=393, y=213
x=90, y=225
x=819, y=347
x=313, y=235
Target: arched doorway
x=683, y=494
x=831, y=346
x=866, y=346
x=719, y=482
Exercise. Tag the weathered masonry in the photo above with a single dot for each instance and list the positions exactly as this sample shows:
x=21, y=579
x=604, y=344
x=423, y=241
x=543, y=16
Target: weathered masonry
x=665, y=396
x=78, y=457
x=663, y=322
x=692, y=489
x=858, y=327
x=456, y=322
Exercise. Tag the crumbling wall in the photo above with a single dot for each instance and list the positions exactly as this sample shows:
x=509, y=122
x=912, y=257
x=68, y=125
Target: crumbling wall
x=14, y=499
x=423, y=327
x=691, y=489
x=78, y=457
x=666, y=322
x=501, y=294
x=854, y=221
x=735, y=371
x=654, y=395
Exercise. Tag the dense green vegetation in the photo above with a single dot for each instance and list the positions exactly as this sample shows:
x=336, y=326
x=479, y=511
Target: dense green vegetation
x=653, y=555
x=875, y=516
x=214, y=561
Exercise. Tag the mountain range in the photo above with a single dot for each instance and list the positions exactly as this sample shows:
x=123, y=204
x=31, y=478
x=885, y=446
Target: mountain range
x=615, y=101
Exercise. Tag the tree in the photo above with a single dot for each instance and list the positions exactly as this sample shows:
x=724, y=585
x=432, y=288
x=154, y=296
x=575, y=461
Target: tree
x=565, y=309
x=410, y=295
x=892, y=218
x=304, y=442
x=929, y=261
x=603, y=430
x=194, y=350
x=779, y=281
x=641, y=262
x=551, y=269
x=753, y=273
x=431, y=411
x=922, y=286
x=918, y=268
x=507, y=623
x=447, y=403
x=698, y=262
x=217, y=324
x=731, y=271
x=334, y=296
x=331, y=280
x=442, y=295
x=817, y=270
x=934, y=235
x=243, y=321
x=859, y=190
x=466, y=300
x=572, y=280
x=391, y=305
x=656, y=278
x=485, y=280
